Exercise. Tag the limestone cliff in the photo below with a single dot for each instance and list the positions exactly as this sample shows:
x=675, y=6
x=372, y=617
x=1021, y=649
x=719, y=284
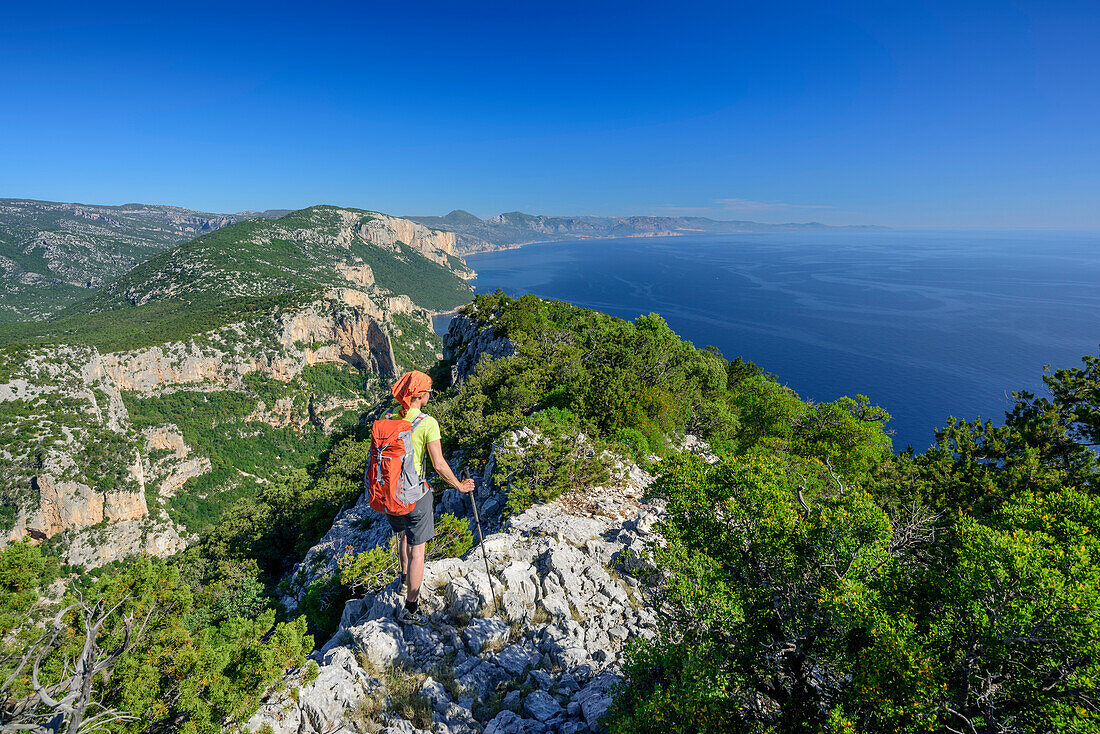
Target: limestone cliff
x=465, y=344
x=387, y=231
x=63, y=505
x=209, y=370
x=342, y=326
x=77, y=465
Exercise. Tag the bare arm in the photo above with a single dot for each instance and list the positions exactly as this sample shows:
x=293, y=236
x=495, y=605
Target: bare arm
x=443, y=469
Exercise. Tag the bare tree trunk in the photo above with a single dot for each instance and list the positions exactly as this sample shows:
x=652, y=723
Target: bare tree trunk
x=68, y=699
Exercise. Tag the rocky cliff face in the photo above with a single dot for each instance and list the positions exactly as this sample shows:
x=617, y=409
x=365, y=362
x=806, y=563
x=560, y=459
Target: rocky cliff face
x=387, y=231
x=65, y=505
x=343, y=326
x=465, y=344
x=77, y=466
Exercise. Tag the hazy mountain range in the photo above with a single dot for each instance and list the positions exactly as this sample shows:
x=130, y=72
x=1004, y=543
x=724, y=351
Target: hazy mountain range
x=516, y=228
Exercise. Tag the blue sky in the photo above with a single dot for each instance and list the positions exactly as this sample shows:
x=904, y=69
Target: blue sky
x=905, y=114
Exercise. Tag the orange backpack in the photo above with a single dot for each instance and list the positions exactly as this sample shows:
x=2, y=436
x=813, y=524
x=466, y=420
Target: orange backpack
x=391, y=478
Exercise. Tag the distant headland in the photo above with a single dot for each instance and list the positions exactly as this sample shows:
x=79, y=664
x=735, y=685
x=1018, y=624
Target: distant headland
x=514, y=229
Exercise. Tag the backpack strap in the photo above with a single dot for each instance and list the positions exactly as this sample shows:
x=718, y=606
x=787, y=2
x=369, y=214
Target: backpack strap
x=378, y=459
x=416, y=422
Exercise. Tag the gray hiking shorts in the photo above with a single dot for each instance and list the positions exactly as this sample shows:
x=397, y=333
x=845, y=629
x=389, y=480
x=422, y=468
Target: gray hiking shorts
x=418, y=525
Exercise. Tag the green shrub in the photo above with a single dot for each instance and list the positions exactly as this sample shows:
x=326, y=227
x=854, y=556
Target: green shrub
x=542, y=467
x=635, y=383
x=331, y=379
x=323, y=604
x=452, y=538
x=814, y=582
x=371, y=570
x=632, y=442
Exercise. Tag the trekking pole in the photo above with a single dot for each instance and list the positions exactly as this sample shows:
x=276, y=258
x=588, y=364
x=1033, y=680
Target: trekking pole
x=481, y=540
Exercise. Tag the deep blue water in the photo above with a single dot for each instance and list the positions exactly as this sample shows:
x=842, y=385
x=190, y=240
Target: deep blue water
x=927, y=324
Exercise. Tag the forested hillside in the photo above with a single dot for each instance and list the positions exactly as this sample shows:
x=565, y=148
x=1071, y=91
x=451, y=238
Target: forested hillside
x=138, y=414
x=792, y=574
x=52, y=254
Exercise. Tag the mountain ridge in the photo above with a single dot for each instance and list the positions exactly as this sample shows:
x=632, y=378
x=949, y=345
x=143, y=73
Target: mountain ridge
x=53, y=254
x=515, y=229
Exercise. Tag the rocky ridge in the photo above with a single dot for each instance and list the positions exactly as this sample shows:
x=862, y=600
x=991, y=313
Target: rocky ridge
x=533, y=647
x=323, y=246
x=465, y=344
x=534, y=644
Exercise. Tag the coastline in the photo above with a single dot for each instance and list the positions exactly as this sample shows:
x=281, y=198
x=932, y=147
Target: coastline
x=574, y=238
x=667, y=233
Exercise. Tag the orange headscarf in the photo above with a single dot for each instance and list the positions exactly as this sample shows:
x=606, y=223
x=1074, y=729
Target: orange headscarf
x=409, y=385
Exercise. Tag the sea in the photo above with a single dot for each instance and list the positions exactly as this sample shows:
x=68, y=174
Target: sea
x=927, y=324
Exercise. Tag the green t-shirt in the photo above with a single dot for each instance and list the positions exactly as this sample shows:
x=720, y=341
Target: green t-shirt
x=425, y=432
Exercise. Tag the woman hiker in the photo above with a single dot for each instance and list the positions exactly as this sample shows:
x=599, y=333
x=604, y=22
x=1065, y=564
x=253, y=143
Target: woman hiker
x=413, y=391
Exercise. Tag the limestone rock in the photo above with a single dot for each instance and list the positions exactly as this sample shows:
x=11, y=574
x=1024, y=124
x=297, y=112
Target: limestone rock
x=67, y=505
x=335, y=694
x=466, y=346
x=482, y=633
x=594, y=699
x=101, y=545
x=517, y=659
x=541, y=705
x=480, y=680
x=284, y=717
x=381, y=641
x=435, y=692
x=506, y=722
x=468, y=595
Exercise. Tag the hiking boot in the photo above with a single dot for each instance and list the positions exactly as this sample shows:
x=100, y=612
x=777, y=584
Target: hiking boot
x=406, y=617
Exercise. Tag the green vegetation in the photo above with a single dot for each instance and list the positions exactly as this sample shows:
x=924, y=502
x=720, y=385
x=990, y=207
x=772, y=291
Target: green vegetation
x=169, y=672
x=68, y=249
x=268, y=258
x=369, y=571
x=274, y=528
x=409, y=273
x=23, y=571
x=150, y=324
x=334, y=380
x=818, y=583
x=59, y=430
x=634, y=386
x=539, y=467
x=244, y=453
x=415, y=345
